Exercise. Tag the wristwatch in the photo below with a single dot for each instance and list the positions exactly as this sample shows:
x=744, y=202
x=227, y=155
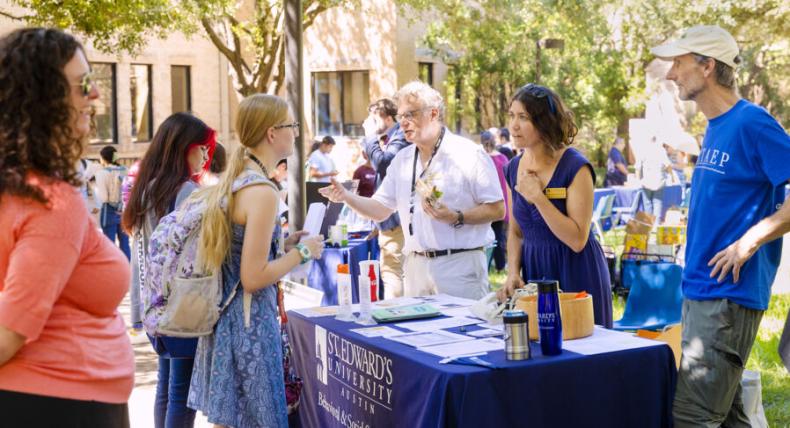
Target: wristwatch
x=304, y=252
x=460, y=222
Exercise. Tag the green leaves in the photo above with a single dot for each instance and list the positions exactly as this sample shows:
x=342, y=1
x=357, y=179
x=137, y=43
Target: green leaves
x=112, y=25
x=600, y=72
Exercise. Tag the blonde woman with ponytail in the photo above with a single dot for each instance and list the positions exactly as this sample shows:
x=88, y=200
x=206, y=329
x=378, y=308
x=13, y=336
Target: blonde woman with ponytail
x=237, y=380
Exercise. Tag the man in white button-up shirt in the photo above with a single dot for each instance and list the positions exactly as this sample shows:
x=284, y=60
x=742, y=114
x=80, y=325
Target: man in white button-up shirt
x=445, y=235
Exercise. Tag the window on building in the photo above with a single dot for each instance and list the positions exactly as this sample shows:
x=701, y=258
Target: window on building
x=425, y=71
x=105, y=123
x=180, y=88
x=142, y=115
x=340, y=102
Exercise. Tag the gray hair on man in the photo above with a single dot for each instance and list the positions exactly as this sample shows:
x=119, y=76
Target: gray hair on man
x=423, y=93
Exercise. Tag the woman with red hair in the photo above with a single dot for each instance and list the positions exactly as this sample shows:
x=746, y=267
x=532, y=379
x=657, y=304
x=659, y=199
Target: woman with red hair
x=179, y=155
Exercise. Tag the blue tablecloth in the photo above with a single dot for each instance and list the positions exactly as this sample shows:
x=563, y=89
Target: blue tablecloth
x=624, y=197
x=352, y=380
x=323, y=272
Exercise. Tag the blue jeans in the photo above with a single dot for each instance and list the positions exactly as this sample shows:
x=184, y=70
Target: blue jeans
x=170, y=407
x=654, y=202
x=110, y=220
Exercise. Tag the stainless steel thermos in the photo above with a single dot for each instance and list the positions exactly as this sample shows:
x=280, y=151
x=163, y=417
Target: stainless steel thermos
x=516, y=335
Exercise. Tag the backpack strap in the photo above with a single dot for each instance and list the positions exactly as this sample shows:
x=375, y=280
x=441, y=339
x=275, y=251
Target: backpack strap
x=141, y=237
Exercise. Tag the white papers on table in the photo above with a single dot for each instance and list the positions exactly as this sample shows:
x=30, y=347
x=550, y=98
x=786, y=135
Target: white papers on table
x=377, y=331
x=428, y=338
x=494, y=326
x=397, y=301
x=323, y=311
x=486, y=332
x=458, y=312
x=465, y=348
x=438, y=324
x=445, y=301
x=603, y=341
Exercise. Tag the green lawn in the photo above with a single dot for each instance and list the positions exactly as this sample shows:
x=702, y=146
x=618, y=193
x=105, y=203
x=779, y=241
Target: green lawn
x=764, y=358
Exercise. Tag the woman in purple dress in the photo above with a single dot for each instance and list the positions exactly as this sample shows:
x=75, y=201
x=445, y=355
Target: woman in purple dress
x=551, y=187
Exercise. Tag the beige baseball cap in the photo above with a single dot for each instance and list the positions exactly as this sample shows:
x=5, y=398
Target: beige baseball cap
x=709, y=40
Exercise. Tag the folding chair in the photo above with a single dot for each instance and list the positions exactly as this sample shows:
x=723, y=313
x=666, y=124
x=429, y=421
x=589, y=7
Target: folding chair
x=602, y=216
x=655, y=299
x=623, y=214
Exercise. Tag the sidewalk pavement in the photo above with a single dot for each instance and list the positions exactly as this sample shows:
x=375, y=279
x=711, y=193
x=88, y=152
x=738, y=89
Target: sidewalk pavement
x=141, y=403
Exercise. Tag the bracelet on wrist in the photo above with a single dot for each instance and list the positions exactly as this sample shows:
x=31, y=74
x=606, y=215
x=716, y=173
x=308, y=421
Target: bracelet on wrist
x=304, y=253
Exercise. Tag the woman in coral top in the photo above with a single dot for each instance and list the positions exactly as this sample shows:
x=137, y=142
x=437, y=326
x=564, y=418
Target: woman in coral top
x=65, y=358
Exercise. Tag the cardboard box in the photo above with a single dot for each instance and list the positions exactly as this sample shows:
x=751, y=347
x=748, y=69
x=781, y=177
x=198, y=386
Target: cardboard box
x=640, y=224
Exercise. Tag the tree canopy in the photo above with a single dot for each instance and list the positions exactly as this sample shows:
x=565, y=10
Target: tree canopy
x=493, y=46
x=600, y=69
x=250, y=34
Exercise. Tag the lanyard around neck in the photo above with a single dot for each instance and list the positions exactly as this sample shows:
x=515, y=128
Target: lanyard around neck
x=417, y=154
x=260, y=164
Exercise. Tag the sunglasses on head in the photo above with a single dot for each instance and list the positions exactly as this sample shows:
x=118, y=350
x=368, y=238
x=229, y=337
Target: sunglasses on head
x=538, y=91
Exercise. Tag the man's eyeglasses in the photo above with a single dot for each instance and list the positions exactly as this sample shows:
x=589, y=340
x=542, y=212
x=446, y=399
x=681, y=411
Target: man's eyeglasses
x=85, y=85
x=410, y=115
x=294, y=126
x=538, y=91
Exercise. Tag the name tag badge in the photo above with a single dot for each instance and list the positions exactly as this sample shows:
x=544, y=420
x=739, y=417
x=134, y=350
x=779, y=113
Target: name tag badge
x=556, y=192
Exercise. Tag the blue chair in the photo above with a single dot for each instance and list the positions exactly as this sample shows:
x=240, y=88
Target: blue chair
x=655, y=300
x=602, y=216
x=623, y=214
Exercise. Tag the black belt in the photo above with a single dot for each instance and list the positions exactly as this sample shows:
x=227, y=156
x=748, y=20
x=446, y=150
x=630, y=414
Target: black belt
x=440, y=253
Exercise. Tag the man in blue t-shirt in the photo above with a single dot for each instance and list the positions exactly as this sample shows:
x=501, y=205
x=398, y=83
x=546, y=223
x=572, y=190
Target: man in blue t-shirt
x=735, y=217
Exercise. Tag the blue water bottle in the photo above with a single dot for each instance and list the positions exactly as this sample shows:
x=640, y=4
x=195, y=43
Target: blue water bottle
x=549, y=319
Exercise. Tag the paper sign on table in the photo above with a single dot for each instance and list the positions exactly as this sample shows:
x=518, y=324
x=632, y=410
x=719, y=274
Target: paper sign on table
x=438, y=324
x=443, y=301
x=428, y=338
x=465, y=348
x=397, y=301
x=377, y=331
x=603, y=341
x=462, y=311
x=486, y=332
x=323, y=311
x=498, y=326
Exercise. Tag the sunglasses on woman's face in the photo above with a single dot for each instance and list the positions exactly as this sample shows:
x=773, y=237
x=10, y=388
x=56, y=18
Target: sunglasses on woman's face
x=86, y=84
x=538, y=91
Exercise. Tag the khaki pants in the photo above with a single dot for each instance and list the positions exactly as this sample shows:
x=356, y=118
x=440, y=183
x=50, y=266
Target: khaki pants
x=460, y=275
x=391, y=265
x=717, y=338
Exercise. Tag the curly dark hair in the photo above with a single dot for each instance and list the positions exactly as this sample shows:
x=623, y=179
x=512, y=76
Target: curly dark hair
x=35, y=111
x=548, y=114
